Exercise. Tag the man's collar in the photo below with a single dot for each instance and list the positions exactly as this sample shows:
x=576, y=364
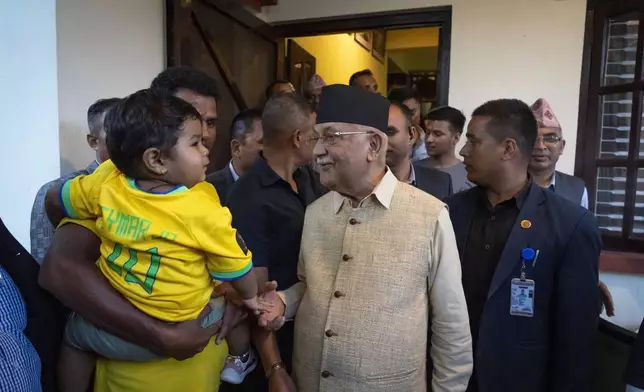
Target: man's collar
x=553, y=179
x=519, y=199
x=383, y=192
x=268, y=176
x=232, y=171
x=412, y=176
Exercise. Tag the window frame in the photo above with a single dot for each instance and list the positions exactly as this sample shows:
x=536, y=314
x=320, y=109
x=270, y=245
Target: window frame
x=587, y=159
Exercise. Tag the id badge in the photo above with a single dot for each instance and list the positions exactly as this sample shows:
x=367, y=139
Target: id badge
x=522, y=297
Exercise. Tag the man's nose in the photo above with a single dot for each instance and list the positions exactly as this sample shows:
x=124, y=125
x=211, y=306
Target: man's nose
x=464, y=151
x=540, y=144
x=318, y=149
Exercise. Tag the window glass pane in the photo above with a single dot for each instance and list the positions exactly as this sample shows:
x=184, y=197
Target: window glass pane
x=610, y=197
x=615, y=124
x=638, y=218
x=621, y=44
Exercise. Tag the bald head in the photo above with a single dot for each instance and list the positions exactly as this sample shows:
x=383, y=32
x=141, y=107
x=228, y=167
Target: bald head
x=283, y=114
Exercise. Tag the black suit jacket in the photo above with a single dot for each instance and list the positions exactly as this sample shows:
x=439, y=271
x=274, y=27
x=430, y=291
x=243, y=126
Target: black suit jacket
x=46, y=317
x=553, y=351
x=223, y=181
x=635, y=370
x=434, y=182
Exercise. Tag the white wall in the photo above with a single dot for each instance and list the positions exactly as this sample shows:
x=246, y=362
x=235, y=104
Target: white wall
x=106, y=48
x=28, y=107
x=500, y=48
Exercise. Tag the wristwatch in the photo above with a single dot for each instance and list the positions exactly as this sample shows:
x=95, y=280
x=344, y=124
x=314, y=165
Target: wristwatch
x=276, y=366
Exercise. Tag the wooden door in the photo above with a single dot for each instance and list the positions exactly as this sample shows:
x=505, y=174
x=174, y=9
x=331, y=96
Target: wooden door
x=301, y=66
x=241, y=52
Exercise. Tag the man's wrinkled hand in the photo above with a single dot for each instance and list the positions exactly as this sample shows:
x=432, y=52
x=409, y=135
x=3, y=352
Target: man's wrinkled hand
x=272, y=317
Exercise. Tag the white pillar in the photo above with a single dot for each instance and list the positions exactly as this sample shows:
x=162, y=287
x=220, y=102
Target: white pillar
x=29, y=155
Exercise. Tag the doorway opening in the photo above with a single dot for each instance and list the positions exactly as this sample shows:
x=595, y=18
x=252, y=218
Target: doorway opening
x=401, y=49
x=395, y=57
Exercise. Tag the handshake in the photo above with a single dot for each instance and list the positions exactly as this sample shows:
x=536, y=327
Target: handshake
x=267, y=306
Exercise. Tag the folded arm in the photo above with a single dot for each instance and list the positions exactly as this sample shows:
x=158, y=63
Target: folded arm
x=451, y=348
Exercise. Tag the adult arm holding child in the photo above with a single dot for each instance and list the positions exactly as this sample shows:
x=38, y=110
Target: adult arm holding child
x=69, y=273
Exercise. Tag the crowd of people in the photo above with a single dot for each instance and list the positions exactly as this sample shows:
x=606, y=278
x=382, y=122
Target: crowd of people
x=344, y=247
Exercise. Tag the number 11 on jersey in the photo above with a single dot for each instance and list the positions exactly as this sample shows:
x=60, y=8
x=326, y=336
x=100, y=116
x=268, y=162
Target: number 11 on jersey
x=151, y=274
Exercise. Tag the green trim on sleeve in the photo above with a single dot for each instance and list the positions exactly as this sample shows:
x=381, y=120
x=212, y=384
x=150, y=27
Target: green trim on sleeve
x=66, y=200
x=234, y=275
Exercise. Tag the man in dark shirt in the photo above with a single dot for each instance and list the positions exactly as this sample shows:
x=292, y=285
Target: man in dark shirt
x=245, y=145
x=530, y=263
x=268, y=202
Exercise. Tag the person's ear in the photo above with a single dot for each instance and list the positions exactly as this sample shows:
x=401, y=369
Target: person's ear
x=377, y=145
x=235, y=148
x=510, y=149
x=414, y=135
x=92, y=141
x=563, y=146
x=297, y=138
x=153, y=161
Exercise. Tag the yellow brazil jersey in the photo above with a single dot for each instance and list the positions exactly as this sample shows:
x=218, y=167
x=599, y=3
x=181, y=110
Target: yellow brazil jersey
x=160, y=251
x=197, y=374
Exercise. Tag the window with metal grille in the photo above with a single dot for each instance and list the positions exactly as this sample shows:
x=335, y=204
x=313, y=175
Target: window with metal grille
x=610, y=154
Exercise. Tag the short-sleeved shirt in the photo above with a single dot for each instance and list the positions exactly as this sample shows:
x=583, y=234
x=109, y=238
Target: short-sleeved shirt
x=160, y=251
x=199, y=373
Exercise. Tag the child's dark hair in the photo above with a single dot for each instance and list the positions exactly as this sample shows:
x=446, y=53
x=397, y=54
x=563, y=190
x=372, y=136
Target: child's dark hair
x=146, y=119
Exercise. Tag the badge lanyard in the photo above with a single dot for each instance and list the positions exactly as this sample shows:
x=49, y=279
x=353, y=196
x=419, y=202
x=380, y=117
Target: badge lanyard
x=522, y=290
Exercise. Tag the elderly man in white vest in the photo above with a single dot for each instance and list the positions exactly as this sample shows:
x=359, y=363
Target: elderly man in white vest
x=378, y=260
x=549, y=147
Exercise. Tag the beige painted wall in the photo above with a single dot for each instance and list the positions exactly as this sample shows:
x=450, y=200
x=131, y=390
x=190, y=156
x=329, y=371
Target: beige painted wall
x=412, y=38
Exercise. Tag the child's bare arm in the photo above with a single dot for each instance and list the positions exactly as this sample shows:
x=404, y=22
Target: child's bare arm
x=54, y=206
x=246, y=287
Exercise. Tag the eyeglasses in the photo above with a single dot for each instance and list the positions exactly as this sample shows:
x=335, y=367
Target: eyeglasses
x=549, y=139
x=331, y=138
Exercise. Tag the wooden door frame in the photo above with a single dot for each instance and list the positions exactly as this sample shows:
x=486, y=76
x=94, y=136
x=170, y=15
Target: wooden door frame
x=410, y=18
x=231, y=9
x=278, y=32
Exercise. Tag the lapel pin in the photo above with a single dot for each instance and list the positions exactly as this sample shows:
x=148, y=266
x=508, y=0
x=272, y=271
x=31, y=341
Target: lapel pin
x=526, y=224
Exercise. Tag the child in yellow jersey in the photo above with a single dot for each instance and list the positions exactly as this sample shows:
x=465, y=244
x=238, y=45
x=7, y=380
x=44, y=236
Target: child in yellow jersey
x=164, y=234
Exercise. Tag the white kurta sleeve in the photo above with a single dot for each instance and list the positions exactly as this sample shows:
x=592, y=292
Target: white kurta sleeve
x=294, y=294
x=451, y=349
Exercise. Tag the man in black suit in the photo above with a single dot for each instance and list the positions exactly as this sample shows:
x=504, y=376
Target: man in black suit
x=245, y=145
x=635, y=371
x=530, y=263
x=402, y=136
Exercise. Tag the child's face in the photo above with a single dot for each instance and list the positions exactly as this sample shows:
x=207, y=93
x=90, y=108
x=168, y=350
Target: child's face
x=189, y=157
